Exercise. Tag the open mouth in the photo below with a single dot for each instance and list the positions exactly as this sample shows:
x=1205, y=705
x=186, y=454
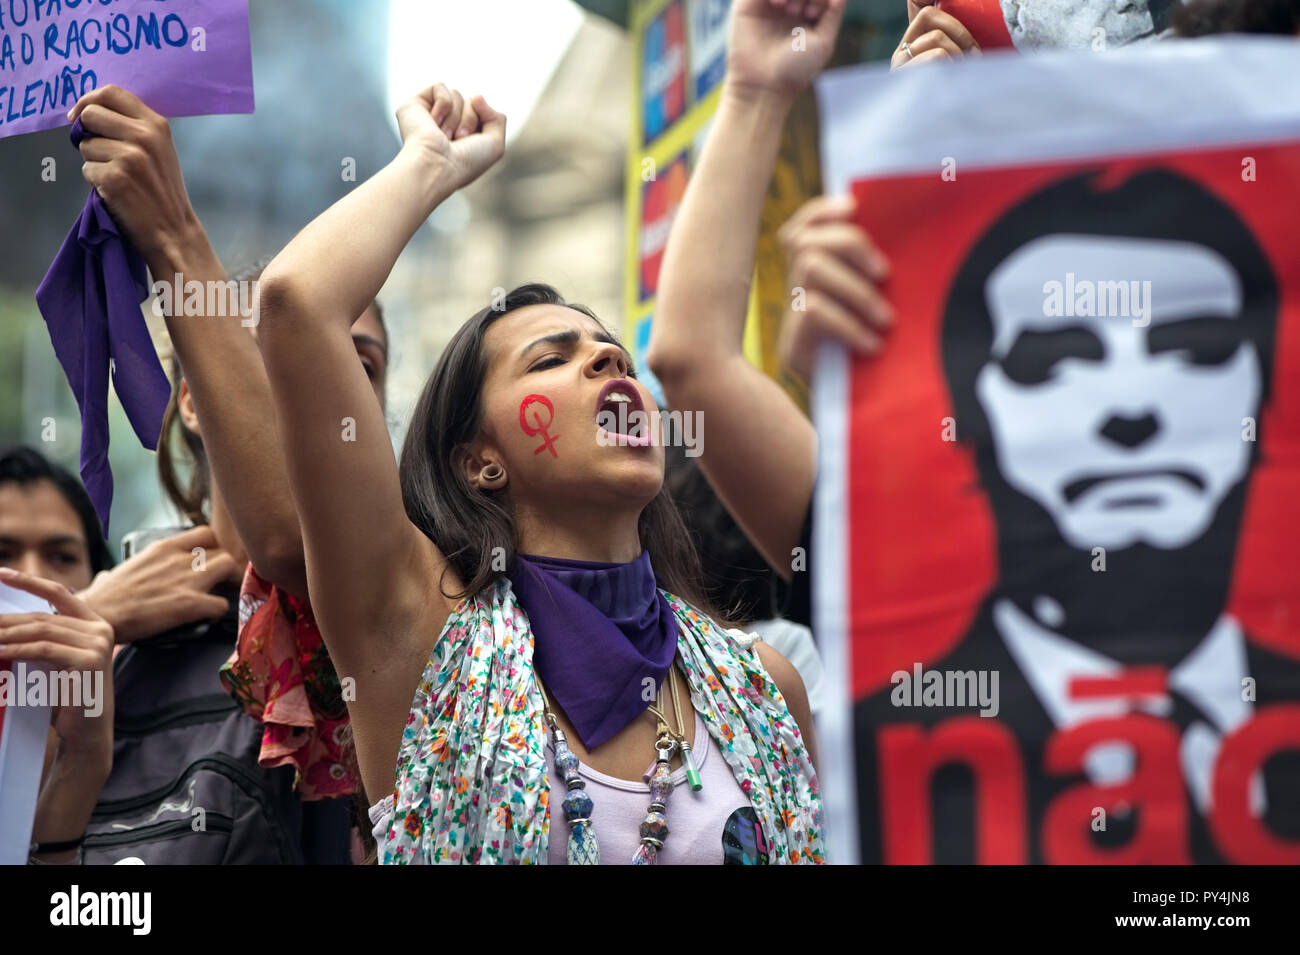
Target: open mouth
x=620, y=414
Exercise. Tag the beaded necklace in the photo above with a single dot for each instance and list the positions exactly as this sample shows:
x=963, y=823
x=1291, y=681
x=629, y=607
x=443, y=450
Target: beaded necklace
x=582, y=847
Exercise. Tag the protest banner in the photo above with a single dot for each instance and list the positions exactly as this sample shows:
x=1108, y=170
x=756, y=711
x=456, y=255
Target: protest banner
x=1059, y=24
x=982, y=18
x=1055, y=558
x=182, y=57
x=680, y=59
x=23, y=732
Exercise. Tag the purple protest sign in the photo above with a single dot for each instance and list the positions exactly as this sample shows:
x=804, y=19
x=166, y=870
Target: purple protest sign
x=182, y=57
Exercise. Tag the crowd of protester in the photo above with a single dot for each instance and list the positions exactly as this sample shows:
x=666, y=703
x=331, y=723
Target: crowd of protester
x=332, y=659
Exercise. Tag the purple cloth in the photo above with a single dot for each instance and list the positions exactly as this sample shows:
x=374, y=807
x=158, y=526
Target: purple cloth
x=90, y=300
x=599, y=631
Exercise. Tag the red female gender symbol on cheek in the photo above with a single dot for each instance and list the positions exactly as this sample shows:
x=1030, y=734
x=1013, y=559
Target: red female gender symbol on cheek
x=539, y=426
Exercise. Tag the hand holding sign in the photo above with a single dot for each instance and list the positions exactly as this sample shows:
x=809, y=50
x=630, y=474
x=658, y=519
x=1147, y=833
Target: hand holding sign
x=464, y=137
x=184, y=59
x=73, y=638
x=837, y=266
x=932, y=34
x=41, y=646
x=131, y=162
x=983, y=18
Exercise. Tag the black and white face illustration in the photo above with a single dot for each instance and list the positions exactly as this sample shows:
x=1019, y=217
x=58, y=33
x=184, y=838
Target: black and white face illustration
x=1074, y=24
x=1119, y=379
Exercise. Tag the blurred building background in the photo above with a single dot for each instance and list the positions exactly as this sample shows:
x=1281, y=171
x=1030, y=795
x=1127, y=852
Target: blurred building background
x=328, y=75
x=327, y=81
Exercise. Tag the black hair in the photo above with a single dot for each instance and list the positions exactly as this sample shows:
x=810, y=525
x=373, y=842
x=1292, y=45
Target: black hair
x=1155, y=204
x=1160, y=11
x=1208, y=17
x=467, y=524
x=736, y=578
x=191, y=496
x=24, y=466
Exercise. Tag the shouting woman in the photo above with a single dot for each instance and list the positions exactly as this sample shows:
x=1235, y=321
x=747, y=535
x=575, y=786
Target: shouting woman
x=516, y=601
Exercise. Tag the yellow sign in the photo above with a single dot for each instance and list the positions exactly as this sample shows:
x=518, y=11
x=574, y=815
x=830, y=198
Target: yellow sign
x=679, y=56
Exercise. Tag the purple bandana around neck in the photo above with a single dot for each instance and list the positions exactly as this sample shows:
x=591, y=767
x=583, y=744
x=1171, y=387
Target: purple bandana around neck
x=90, y=300
x=599, y=630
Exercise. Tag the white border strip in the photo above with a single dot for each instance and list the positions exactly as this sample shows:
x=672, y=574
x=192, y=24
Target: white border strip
x=830, y=584
x=22, y=749
x=1009, y=109
x=22, y=754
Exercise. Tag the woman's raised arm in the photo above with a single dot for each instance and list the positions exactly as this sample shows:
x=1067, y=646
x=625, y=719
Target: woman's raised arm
x=133, y=164
x=759, y=456
x=371, y=574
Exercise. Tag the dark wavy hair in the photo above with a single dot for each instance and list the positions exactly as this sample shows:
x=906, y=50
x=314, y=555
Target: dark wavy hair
x=192, y=494
x=24, y=466
x=736, y=579
x=1208, y=17
x=467, y=524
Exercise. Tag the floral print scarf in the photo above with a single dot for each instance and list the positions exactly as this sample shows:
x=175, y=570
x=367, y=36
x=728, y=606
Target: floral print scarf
x=282, y=676
x=472, y=783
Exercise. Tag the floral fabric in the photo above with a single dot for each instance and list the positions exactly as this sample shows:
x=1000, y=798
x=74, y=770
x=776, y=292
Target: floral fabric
x=743, y=710
x=282, y=676
x=471, y=782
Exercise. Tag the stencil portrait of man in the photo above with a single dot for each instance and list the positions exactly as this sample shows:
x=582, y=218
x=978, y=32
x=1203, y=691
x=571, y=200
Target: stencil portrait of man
x=1108, y=351
x=1083, y=24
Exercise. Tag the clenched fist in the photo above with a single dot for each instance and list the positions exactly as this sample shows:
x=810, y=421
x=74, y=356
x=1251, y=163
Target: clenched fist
x=463, y=137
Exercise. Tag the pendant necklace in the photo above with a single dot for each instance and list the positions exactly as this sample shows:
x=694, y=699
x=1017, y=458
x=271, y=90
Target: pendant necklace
x=582, y=848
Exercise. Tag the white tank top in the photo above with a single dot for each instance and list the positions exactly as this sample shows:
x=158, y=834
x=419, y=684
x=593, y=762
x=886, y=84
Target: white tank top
x=696, y=821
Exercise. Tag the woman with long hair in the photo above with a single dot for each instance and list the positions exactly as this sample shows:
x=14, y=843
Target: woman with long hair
x=516, y=603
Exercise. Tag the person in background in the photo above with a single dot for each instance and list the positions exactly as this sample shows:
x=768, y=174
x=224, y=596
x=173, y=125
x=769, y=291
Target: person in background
x=50, y=546
x=761, y=454
x=736, y=578
x=48, y=527
x=132, y=162
x=155, y=590
x=170, y=700
x=935, y=34
x=279, y=671
x=185, y=786
x=49, y=533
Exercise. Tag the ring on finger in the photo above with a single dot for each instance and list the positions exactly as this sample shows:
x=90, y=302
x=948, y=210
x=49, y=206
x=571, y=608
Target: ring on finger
x=908, y=47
